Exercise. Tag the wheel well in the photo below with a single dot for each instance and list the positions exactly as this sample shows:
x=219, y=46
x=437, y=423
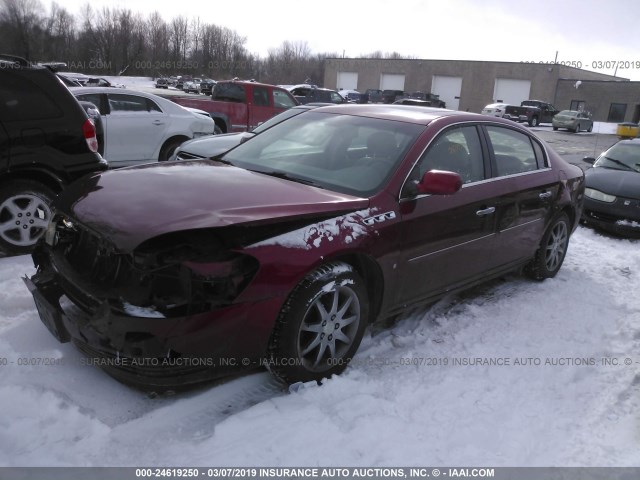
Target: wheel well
x=182, y=138
x=45, y=178
x=570, y=213
x=371, y=273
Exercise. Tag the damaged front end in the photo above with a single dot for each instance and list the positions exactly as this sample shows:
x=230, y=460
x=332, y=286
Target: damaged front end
x=169, y=299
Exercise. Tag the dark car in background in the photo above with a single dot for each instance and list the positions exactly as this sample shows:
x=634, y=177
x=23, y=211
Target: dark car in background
x=305, y=94
x=206, y=86
x=371, y=95
x=432, y=98
x=283, y=250
x=46, y=142
x=390, y=96
x=612, y=196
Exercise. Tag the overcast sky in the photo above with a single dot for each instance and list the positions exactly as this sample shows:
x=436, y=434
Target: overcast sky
x=598, y=35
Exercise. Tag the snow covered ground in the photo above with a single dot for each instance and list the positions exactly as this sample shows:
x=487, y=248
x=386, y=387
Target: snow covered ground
x=419, y=392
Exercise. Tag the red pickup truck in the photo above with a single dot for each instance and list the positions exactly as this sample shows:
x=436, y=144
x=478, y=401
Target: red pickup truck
x=238, y=106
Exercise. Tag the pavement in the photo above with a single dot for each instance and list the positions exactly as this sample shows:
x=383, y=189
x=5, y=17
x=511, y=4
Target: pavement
x=573, y=147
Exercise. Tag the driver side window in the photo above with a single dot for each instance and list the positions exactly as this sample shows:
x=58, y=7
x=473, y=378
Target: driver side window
x=456, y=150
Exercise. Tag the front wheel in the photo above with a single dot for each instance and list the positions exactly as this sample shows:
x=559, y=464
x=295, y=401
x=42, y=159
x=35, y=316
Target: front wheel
x=320, y=326
x=168, y=148
x=553, y=248
x=25, y=212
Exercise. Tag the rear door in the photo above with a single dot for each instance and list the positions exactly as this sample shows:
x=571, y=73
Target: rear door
x=134, y=129
x=525, y=188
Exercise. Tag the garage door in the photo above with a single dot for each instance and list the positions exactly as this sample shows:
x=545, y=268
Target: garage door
x=448, y=88
x=391, y=81
x=347, y=81
x=511, y=91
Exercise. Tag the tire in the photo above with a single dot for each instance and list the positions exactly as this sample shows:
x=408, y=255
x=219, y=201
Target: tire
x=217, y=130
x=533, y=122
x=304, y=345
x=25, y=212
x=168, y=148
x=548, y=259
x=555, y=129
x=590, y=129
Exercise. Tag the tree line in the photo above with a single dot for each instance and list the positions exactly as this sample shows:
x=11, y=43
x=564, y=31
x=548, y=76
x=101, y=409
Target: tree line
x=118, y=41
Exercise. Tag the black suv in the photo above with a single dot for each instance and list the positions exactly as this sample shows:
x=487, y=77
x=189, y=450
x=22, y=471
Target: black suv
x=46, y=142
x=390, y=96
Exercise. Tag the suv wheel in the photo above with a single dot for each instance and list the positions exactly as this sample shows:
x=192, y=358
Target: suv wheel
x=24, y=215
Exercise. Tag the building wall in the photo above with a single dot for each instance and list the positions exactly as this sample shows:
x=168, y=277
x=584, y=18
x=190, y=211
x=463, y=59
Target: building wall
x=598, y=97
x=478, y=78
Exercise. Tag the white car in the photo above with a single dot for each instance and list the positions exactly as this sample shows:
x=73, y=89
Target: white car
x=140, y=127
x=494, y=109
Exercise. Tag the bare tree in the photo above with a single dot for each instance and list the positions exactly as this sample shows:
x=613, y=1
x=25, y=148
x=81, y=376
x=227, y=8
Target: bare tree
x=21, y=21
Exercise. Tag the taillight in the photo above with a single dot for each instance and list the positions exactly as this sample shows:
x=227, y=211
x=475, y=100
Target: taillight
x=89, y=132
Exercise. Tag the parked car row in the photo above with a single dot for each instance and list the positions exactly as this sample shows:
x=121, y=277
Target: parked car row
x=186, y=84
x=534, y=112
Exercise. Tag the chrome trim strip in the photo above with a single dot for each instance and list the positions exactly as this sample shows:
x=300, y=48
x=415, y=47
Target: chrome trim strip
x=449, y=248
x=521, y=225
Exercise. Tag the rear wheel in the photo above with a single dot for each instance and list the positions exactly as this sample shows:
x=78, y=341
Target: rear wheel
x=590, y=129
x=553, y=248
x=320, y=326
x=533, y=122
x=25, y=212
x=555, y=128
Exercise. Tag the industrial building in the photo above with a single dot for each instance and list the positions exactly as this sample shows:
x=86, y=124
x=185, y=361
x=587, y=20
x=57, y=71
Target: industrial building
x=470, y=85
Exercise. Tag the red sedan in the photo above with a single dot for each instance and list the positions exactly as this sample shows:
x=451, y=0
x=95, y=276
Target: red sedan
x=283, y=250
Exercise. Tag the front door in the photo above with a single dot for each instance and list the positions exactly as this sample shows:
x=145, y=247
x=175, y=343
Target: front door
x=447, y=240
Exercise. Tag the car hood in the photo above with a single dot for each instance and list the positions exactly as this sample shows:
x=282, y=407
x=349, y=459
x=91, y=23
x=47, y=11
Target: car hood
x=132, y=205
x=622, y=183
x=213, y=145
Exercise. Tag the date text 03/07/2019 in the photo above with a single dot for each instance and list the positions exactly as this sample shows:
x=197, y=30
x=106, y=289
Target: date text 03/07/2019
x=313, y=472
x=596, y=64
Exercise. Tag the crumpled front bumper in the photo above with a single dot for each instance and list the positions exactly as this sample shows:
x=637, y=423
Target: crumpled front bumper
x=149, y=350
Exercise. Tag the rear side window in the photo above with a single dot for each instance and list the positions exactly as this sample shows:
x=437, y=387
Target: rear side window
x=131, y=104
x=514, y=151
x=260, y=97
x=229, y=92
x=282, y=100
x=21, y=99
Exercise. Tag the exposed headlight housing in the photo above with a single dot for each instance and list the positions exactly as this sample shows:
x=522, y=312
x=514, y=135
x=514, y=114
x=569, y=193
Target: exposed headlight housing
x=598, y=195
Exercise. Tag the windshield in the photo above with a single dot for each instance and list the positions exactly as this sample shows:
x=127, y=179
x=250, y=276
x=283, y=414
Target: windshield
x=292, y=112
x=344, y=153
x=622, y=156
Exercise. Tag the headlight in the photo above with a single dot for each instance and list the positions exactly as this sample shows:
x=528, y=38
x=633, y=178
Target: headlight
x=201, y=134
x=598, y=195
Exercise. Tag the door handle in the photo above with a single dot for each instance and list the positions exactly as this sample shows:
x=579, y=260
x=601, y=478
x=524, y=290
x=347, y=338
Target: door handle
x=158, y=122
x=486, y=211
x=544, y=195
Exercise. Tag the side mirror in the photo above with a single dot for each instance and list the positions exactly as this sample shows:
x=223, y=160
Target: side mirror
x=439, y=182
x=590, y=160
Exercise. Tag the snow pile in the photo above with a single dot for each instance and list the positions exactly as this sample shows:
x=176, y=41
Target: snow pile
x=508, y=374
